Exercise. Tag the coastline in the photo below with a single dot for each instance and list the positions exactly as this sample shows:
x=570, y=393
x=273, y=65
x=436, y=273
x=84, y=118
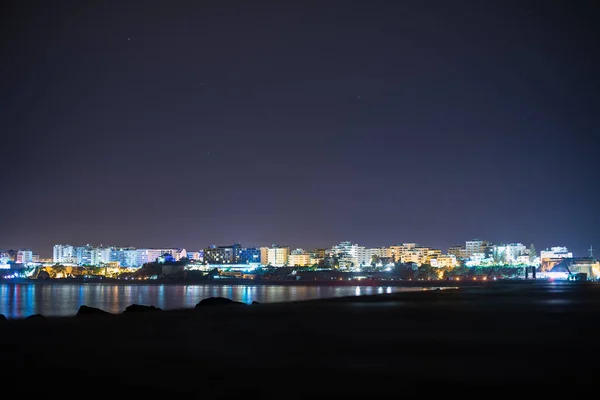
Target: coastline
x=500, y=338
x=252, y=282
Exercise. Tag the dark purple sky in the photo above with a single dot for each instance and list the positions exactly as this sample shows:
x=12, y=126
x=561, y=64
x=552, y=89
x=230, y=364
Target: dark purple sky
x=197, y=123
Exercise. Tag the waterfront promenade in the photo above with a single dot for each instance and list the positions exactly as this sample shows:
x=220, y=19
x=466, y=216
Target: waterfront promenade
x=489, y=340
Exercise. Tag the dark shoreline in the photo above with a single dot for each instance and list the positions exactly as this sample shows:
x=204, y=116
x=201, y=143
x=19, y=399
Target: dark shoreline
x=251, y=282
x=504, y=338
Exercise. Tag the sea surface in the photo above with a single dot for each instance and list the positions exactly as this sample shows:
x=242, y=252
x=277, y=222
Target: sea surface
x=19, y=300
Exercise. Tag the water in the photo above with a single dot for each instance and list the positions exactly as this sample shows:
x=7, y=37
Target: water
x=59, y=299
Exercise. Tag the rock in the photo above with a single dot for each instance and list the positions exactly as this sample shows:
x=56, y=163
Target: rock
x=255, y=302
x=136, y=308
x=85, y=310
x=217, y=301
x=36, y=316
x=2, y=317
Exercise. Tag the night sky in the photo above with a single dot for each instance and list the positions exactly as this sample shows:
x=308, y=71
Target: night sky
x=195, y=123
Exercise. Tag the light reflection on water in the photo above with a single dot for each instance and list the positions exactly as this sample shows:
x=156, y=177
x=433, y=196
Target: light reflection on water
x=23, y=299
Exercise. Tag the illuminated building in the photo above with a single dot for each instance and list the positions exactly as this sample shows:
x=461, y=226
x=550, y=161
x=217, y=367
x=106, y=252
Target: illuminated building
x=144, y=256
x=264, y=255
x=24, y=256
x=405, y=251
x=319, y=253
x=414, y=254
x=83, y=255
x=195, y=255
x=4, y=258
x=278, y=256
x=556, y=252
x=223, y=254
x=234, y=254
x=250, y=255
x=509, y=253
x=63, y=253
x=379, y=252
x=458, y=251
x=100, y=255
x=479, y=259
x=476, y=246
x=349, y=255
x=397, y=251
x=444, y=261
x=411, y=253
x=315, y=259
x=126, y=257
x=549, y=258
x=299, y=257
x=432, y=254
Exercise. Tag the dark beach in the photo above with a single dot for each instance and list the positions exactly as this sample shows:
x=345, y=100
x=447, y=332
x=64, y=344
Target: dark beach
x=495, y=339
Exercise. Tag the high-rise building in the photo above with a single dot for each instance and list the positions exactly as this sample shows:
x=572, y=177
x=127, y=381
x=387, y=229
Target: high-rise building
x=349, y=255
x=100, y=255
x=224, y=254
x=125, y=257
x=83, y=255
x=509, y=253
x=149, y=255
x=63, y=253
x=299, y=257
x=457, y=251
x=411, y=253
x=376, y=252
x=24, y=256
x=278, y=255
x=477, y=246
x=250, y=255
x=264, y=255
x=396, y=251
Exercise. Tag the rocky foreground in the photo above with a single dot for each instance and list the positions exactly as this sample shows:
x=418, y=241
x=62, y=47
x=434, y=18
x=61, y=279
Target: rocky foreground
x=501, y=339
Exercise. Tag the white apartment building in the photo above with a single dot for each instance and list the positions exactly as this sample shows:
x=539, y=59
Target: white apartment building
x=151, y=255
x=350, y=255
x=509, y=253
x=100, y=255
x=380, y=252
x=444, y=261
x=63, y=253
x=24, y=256
x=476, y=246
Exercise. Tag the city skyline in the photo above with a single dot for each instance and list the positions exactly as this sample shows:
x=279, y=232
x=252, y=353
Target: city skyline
x=291, y=247
x=216, y=123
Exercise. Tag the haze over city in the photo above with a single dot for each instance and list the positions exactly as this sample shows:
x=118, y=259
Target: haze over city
x=380, y=123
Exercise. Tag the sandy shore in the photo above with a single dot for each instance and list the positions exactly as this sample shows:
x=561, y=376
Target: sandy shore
x=481, y=341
